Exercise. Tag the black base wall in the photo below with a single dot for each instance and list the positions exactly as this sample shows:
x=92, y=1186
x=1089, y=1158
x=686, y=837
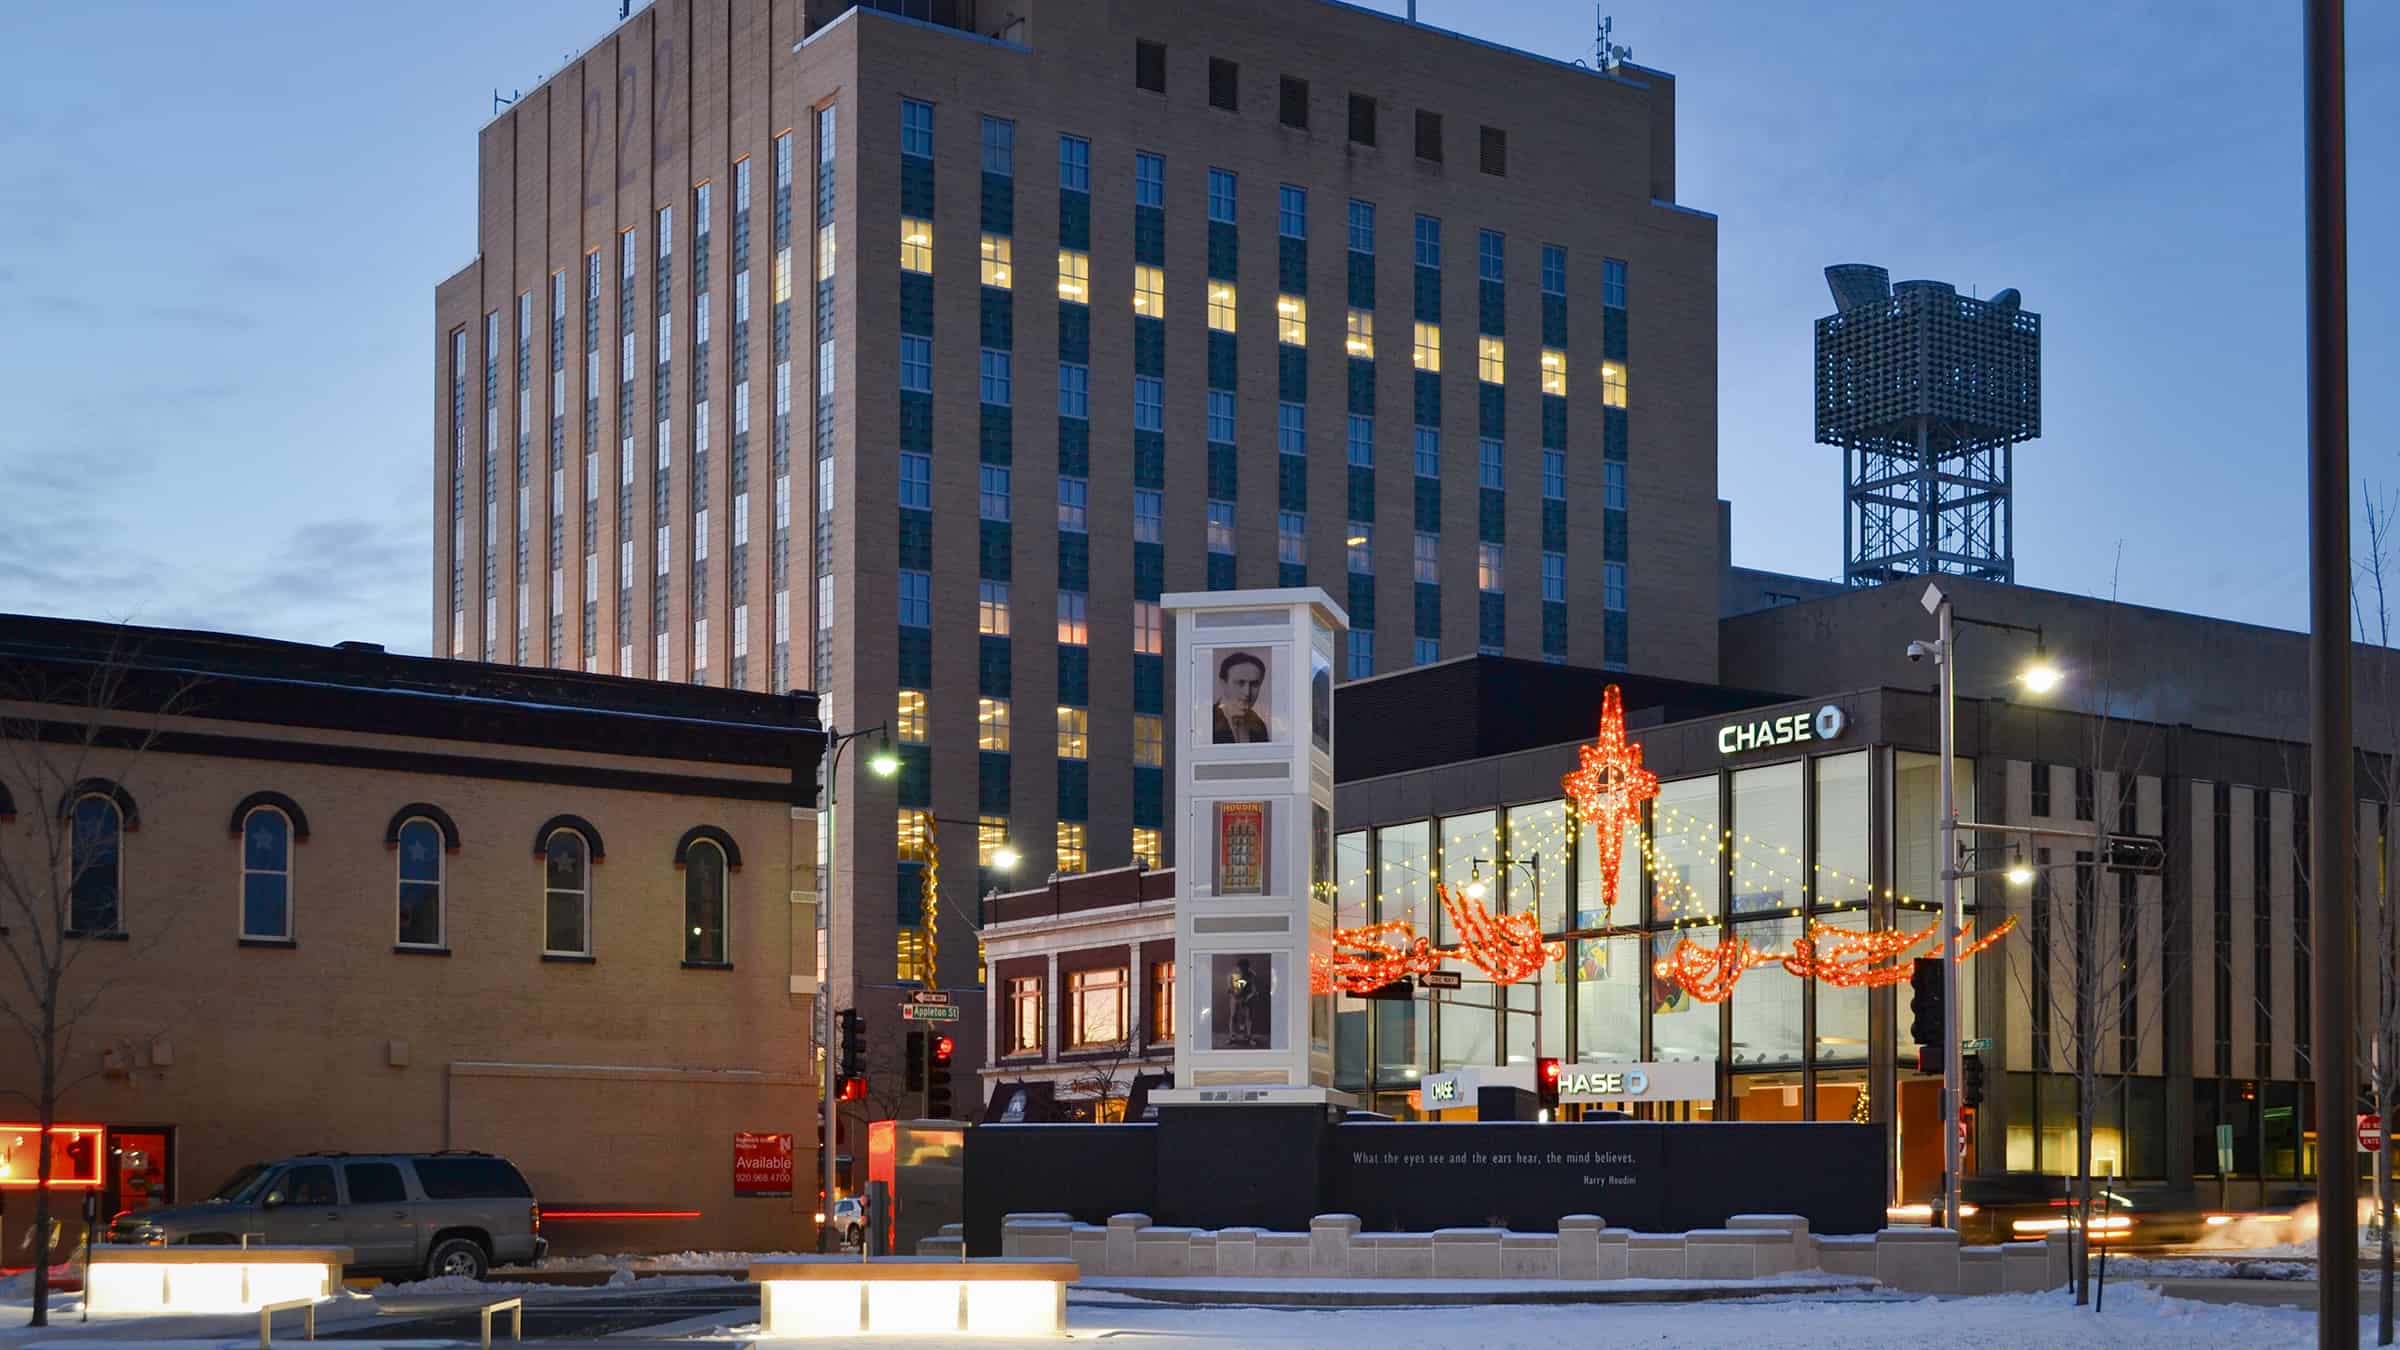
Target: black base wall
x=1087, y=1171
x=1242, y=1166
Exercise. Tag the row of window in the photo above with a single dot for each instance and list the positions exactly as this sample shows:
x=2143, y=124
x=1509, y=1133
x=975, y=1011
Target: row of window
x=1098, y=1008
x=1293, y=108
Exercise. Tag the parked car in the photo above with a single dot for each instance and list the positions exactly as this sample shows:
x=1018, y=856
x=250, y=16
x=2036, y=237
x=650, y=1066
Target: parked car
x=850, y=1220
x=401, y=1214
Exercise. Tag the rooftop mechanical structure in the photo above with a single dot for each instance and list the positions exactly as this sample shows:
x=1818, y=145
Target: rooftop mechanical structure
x=1927, y=392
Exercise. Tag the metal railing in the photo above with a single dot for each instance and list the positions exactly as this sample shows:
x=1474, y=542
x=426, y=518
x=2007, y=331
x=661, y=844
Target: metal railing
x=515, y=1308
x=266, y=1318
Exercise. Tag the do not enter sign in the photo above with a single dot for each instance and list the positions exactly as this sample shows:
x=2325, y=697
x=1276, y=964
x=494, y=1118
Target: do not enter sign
x=2370, y=1132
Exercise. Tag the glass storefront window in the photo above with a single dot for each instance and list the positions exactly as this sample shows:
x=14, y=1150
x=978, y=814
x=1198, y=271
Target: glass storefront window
x=1405, y=873
x=1769, y=858
x=1538, y=835
x=1842, y=1013
x=1843, y=864
x=1399, y=1040
x=1686, y=845
x=1591, y=907
x=1916, y=806
x=1681, y=1027
x=1469, y=845
x=1467, y=1026
x=1550, y=989
x=1353, y=887
x=1610, y=981
x=1768, y=1096
x=1766, y=1003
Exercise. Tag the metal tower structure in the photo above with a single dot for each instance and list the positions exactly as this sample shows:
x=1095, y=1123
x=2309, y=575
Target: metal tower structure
x=1927, y=392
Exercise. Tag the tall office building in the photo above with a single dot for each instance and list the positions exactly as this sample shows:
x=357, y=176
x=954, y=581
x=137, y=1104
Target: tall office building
x=910, y=357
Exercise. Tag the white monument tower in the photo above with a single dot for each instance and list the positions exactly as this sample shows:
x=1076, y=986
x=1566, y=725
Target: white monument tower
x=1253, y=844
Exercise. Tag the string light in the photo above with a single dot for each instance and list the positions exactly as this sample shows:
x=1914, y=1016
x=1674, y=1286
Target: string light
x=1608, y=790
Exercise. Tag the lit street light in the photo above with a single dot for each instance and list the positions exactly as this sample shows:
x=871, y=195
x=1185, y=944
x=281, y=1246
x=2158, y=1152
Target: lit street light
x=2019, y=874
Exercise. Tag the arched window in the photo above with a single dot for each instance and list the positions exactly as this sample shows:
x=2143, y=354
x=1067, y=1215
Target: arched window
x=266, y=875
x=421, y=866
x=704, y=941
x=566, y=895
x=96, y=863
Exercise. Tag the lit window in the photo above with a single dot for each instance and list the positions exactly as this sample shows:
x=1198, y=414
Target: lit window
x=1074, y=390
x=991, y=724
x=996, y=253
x=1148, y=853
x=1429, y=452
x=1024, y=1029
x=1220, y=306
x=1147, y=509
x=1361, y=338
x=1149, y=404
x=1429, y=241
x=994, y=383
x=1428, y=557
x=1095, y=1008
x=1073, y=625
x=1291, y=320
x=1291, y=428
x=1149, y=180
x=1612, y=385
x=1427, y=350
x=1554, y=577
x=1074, y=164
x=908, y=721
x=1149, y=291
x=1490, y=256
x=1359, y=544
x=991, y=836
x=912, y=960
x=1554, y=270
x=1291, y=538
x=266, y=874
x=1220, y=196
x=566, y=894
x=916, y=599
x=1488, y=464
x=1220, y=416
x=705, y=942
x=1612, y=585
x=1490, y=360
x=916, y=828
x=1149, y=627
x=916, y=365
x=1291, y=212
x=991, y=608
x=1362, y=653
x=1554, y=371
x=916, y=481
x=1359, y=444
x=1149, y=740
x=1362, y=227
x=1487, y=567
x=1612, y=485
x=1074, y=733
x=992, y=482
x=916, y=128
x=1000, y=146
x=1612, y=282
x=1070, y=846
x=916, y=245
x=1073, y=495
x=1075, y=276
x=1220, y=527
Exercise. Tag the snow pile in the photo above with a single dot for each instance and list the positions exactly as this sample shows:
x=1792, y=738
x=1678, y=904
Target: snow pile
x=643, y=1262
x=458, y=1284
x=2207, y=1268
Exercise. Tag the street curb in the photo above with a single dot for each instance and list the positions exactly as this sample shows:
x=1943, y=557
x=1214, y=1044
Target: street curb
x=1392, y=1295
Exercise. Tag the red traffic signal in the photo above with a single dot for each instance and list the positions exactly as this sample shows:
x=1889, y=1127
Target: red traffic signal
x=852, y=1090
x=1546, y=1073
x=943, y=1048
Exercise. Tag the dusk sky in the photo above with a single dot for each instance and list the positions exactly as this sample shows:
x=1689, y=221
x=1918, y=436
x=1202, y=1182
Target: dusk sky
x=221, y=227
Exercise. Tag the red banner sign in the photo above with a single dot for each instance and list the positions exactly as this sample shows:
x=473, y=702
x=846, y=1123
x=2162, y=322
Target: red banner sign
x=762, y=1163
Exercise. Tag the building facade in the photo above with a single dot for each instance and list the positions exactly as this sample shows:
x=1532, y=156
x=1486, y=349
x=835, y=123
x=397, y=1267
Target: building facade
x=1227, y=294
x=333, y=899
x=1082, y=1008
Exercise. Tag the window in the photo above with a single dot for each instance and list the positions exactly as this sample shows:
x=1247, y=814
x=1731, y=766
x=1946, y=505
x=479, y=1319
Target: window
x=2084, y=790
x=1360, y=441
x=1221, y=185
x=908, y=719
x=1612, y=586
x=1147, y=510
x=566, y=894
x=1220, y=306
x=310, y=1185
x=991, y=724
x=1428, y=557
x=1495, y=152
x=1149, y=179
x=916, y=128
x=916, y=365
x=1224, y=84
x=1220, y=416
x=1149, y=741
x=991, y=836
x=1362, y=227
x=1074, y=276
x=375, y=1184
x=916, y=599
x=1074, y=628
x=1359, y=340
x=1554, y=371
x=994, y=383
x=1024, y=1028
x=915, y=834
x=1074, y=733
x=1291, y=212
x=1426, y=349
x=1096, y=1006
x=1150, y=66
x=1490, y=360
x=1612, y=282
x=1073, y=496
x=996, y=251
x=1291, y=538
x=456, y=1178
x=1293, y=103
x=1150, y=853
x=991, y=608
x=1074, y=164
x=1429, y=135
x=1554, y=270
x=1362, y=653
x=1362, y=119
x=1491, y=255
x=992, y=492
x=1429, y=452
x=1149, y=405
x=1554, y=475
x=1149, y=291
x=1425, y=651
x=916, y=481
x=1612, y=384
x=1488, y=567
x=1220, y=527
x=1149, y=627
x=1360, y=545
x=1429, y=241
x=1291, y=320
x=266, y=873
x=1074, y=390
x=1554, y=577
x=1071, y=856
x=1489, y=463
x=1291, y=428
x=1612, y=485
x=916, y=245
x=911, y=961
x=1000, y=146
x=421, y=866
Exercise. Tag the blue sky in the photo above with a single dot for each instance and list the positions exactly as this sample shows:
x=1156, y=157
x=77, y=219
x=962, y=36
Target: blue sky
x=220, y=228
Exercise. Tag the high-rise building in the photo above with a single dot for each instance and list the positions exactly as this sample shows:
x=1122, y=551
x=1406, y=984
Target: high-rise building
x=910, y=357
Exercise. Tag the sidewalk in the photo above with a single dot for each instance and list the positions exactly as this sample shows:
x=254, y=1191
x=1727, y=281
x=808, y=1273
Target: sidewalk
x=1236, y=1291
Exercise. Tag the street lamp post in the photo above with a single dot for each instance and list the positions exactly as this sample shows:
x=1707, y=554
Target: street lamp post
x=883, y=764
x=1004, y=859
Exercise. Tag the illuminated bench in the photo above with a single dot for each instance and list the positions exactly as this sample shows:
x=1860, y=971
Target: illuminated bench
x=841, y=1296
x=208, y=1279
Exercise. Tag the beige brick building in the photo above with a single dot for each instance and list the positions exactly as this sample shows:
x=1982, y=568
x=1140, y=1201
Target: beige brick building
x=910, y=359
x=332, y=899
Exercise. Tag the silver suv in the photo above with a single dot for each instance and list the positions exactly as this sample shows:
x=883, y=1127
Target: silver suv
x=404, y=1214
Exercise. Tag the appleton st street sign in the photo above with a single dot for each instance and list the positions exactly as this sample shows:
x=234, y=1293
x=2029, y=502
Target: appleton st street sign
x=1825, y=724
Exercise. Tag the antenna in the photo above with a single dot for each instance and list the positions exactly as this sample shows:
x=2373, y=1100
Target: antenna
x=499, y=102
x=1610, y=56
x=624, y=10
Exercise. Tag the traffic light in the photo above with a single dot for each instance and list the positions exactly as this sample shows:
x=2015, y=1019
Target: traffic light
x=854, y=1049
x=1926, y=1022
x=1970, y=1068
x=937, y=1091
x=913, y=1063
x=1545, y=1083
x=851, y=1089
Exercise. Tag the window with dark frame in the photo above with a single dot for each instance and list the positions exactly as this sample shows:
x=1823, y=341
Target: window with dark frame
x=1150, y=66
x=1362, y=120
x=1429, y=135
x=1224, y=84
x=1162, y=1002
x=1495, y=152
x=2041, y=789
x=1295, y=103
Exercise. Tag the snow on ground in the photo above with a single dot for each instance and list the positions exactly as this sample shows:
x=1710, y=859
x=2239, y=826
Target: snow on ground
x=656, y=1261
x=2244, y=1267
x=622, y=1279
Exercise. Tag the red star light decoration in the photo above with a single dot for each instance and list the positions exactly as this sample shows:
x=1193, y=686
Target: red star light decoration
x=1608, y=791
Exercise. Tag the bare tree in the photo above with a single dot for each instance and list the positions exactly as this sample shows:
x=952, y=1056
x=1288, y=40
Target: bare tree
x=1099, y=1076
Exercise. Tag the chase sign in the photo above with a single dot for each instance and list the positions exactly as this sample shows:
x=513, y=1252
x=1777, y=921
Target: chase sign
x=1825, y=724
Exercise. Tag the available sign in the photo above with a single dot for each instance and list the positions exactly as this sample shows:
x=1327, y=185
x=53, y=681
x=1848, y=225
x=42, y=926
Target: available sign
x=762, y=1163
x=1643, y=1082
x=1824, y=724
